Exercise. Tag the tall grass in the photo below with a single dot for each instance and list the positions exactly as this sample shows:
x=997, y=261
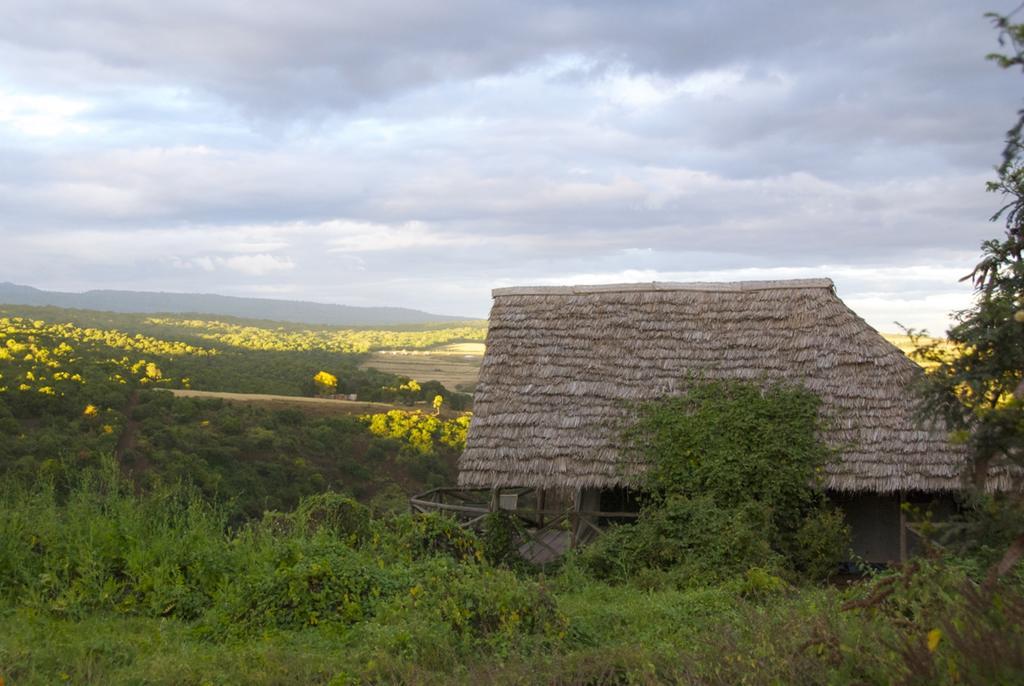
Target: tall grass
x=94, y=544
x=100, y=584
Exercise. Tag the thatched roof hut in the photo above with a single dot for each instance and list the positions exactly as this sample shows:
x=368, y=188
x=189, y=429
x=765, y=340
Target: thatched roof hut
x=563, y=362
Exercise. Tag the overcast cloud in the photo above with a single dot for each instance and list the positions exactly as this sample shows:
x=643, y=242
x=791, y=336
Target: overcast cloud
x=421, y=153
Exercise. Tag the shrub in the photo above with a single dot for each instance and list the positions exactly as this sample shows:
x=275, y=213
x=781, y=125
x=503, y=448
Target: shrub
x=454, y=610
x=334, y=513
x=501, y=535
x=310, y=585
x=821, y=543
x=760, y=583
x=100, y=546
x=731, y=476
x=986, y=527
x=733, y=441
x=483, y=602
x=696, y=539
x=951, y=629
x=420, y=536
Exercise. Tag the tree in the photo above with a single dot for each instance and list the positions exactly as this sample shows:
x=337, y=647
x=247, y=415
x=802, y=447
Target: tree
x=326, y=383
x=979, y=390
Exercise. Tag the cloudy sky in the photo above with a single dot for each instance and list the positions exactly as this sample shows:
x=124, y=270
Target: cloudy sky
x=421, y=153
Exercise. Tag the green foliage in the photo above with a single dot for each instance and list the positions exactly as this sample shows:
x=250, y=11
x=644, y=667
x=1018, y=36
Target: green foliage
x=246, y=456
x=973, y=391
x=466, y=608
x=501, y=534
x=100, y=585
x=761, y=583
x=985, y=527
x=415, y=537
x=732, y=440
x=326, y=566
x=336, y=514
x=820, y=543
x=694, y=539
x=99, y=547
x=953, y=629
x=731, y=468
x=86, y=394
x=309, y=585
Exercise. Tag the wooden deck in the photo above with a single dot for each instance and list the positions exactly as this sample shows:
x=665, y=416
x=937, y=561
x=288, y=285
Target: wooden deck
x=550, y=526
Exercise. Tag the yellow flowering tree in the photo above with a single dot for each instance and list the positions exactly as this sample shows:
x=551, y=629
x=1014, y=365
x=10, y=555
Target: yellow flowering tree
x=326, y=383
x=419, y=431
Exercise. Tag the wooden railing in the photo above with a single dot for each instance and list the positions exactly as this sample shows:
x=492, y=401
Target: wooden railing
x=471, y=505
x=468, y=506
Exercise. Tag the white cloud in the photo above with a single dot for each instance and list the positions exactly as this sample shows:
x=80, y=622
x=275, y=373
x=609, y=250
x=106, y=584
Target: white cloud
x=257, y=265
x=349, y=236
x=251, y=265
x=929, y=312
x=645, y=90
x=42, y=115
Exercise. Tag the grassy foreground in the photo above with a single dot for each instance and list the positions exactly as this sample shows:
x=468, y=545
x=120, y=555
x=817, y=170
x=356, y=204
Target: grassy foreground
x=99, y=585
x=618, y=635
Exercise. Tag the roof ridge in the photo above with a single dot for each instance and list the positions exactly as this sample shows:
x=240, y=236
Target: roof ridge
x=653, y=286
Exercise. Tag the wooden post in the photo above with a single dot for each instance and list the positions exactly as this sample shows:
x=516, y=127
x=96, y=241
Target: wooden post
x=541, y=505
x=903, y=529
x=574, y=518
x=495, y=497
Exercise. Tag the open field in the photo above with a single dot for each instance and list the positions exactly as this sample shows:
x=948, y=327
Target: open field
x=456, y=365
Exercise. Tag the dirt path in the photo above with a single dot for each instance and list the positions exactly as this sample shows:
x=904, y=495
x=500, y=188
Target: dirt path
x=126, y=440
x=341, y=406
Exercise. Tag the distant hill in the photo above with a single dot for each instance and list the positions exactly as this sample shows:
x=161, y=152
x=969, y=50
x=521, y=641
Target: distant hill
x=297, y=311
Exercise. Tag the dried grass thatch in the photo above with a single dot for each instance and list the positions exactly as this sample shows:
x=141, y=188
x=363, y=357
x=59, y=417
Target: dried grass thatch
x=563, y=362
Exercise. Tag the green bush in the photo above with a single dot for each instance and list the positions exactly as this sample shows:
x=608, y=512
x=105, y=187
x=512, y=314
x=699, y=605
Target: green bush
x=454, y=610
x=329, y=584
x=100, y=546
x=760, y=583
x=694, y=538
x=822, y=542
x=985, y=528
x=940, y=626
x=338, y=514
x=734, y=441
x=501, y=534
x=731, y=477
x=419, y=536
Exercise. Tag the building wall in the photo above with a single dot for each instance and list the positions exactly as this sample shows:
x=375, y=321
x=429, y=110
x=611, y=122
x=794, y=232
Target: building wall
x=875, y=521
x=874, y=525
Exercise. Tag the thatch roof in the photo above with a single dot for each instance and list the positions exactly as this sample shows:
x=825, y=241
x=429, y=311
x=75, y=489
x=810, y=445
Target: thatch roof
x=561, y=361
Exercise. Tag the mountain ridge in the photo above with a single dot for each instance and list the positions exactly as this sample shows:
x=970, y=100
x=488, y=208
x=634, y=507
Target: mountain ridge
x=159, y=302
